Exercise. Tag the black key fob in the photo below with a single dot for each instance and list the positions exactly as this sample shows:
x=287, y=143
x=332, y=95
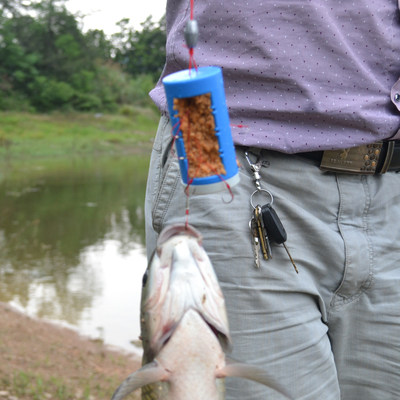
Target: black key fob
x=273, y=225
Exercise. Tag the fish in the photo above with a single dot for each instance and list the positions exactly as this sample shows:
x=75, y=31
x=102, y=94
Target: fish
x=184, y=326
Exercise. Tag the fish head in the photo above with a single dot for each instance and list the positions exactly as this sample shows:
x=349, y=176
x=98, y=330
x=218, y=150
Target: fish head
x=180, y=277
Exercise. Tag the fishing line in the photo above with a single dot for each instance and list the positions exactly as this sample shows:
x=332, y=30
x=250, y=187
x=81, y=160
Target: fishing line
x=191, y=9
x=191, y=38
x=187, y=204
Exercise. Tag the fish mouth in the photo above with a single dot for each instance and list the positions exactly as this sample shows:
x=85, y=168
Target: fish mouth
x=175, y=230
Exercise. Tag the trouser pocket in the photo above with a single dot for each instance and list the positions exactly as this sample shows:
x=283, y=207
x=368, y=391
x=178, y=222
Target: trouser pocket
x=164, y=174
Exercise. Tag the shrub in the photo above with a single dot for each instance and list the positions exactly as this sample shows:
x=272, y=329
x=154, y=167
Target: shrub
x=49, y=94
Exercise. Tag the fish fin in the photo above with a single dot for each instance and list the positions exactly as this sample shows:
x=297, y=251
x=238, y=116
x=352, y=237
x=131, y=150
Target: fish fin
x=251, y=372
x=149, y=373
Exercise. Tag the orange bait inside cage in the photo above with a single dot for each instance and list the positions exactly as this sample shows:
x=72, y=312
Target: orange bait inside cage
x=198, y=131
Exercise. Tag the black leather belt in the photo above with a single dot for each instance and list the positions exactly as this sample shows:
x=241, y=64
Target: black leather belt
x=370, y=159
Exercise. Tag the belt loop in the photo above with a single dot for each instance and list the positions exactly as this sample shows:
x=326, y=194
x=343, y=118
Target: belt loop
x=388, y=158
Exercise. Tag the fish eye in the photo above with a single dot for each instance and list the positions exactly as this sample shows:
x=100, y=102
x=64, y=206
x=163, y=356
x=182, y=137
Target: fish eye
x=144, y=279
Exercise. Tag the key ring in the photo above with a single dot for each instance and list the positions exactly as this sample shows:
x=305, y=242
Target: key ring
x=261, y=190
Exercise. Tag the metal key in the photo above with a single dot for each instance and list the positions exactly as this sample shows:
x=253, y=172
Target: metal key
x=262, y=233
x=255, y=241
x=275, y=230
x=290, y=258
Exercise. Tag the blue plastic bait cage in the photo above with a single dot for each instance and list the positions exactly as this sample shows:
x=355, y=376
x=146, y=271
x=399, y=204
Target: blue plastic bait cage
x=191, y=83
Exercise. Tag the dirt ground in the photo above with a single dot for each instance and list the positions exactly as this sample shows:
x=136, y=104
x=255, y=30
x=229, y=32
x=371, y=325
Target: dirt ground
x=39, y=361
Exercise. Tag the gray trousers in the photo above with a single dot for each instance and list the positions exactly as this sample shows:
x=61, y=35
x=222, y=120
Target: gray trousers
x=333, y=330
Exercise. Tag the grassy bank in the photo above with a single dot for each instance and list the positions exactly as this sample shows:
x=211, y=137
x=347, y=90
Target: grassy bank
x=24, y=135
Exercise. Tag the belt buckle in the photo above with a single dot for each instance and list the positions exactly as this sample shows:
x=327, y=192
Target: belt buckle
x=354, y=160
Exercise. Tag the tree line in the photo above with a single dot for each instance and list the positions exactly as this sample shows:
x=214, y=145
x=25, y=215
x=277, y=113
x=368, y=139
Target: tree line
x=48, y=63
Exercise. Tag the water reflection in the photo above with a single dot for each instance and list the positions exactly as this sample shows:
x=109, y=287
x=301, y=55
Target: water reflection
x=72, y=242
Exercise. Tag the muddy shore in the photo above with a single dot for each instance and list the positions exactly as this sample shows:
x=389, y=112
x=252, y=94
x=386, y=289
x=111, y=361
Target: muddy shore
x=39, y=360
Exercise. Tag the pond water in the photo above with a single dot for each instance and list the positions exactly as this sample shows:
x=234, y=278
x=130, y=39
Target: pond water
x=72, y=243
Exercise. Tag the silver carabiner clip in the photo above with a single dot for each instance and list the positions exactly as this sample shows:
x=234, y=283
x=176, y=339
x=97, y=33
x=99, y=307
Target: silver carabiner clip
x=255, y=168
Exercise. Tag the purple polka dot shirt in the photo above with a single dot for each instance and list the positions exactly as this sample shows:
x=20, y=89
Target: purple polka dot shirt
x=300, y=75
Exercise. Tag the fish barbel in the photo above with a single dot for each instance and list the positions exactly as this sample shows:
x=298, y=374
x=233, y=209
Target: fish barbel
x=185, y=329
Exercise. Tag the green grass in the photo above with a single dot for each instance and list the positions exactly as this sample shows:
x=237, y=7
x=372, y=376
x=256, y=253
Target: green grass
x=33, y=386
x=44, y=135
